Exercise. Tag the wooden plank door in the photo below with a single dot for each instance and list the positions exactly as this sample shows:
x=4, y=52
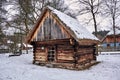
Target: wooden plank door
x=51, y=54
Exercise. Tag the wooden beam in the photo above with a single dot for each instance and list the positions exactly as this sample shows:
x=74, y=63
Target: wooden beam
x=54, y=42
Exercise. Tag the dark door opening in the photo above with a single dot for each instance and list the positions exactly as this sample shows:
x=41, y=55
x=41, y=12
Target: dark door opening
x=51, y=54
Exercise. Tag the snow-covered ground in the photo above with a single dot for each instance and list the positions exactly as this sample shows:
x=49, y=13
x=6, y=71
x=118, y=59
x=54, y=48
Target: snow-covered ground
x=21, y=68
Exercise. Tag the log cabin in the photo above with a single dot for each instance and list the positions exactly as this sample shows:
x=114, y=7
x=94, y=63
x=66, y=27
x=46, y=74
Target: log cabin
x=108, y=40
x=61, y=41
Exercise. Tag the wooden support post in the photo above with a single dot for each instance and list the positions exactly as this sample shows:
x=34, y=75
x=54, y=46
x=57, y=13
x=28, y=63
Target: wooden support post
x=94, y=53
x=75, y=54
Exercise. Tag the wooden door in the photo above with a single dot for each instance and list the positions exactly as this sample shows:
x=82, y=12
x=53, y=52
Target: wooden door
x=51, y=54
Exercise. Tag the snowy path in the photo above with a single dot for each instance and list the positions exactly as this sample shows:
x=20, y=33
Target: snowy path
x=21, y=68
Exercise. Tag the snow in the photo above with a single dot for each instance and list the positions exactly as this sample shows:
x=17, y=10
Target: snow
x=74, y=25
x=110, y=53
x=21, y=68
x=9, y=41
x=25, y=45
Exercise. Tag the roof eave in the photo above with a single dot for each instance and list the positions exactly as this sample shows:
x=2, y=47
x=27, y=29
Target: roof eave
x=88, y=42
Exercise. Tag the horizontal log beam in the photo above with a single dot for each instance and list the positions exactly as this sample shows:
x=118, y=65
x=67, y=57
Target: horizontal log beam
x=54, y=42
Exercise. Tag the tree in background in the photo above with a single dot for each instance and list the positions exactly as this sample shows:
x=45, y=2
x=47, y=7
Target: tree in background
x=2, y=19
x=2, y=11
x=60, y=5
x=2, y=36
x=29, y=11
x=112, y=10
x=90, y=7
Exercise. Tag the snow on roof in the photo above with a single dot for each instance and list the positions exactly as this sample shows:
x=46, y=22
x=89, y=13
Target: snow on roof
x=25, y=45
x=9, y=41
x=117, y=31
x=80, y=31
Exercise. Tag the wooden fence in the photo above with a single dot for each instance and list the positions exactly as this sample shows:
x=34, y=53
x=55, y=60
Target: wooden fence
x=108, y=49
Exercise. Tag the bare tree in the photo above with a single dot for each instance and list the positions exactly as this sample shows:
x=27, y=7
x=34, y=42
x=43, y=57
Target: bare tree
x=2, y=10
x=60, y=5
x=2, y=19
x=30, y=10
x=90, y=7
x=112, y=9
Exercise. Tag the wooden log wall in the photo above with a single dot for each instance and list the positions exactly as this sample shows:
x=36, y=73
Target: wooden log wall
x=40, y=54
x=85, y=54
x=65, y=53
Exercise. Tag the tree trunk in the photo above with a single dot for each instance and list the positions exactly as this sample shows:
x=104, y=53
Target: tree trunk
x=95, y=24
x=94, y=18
x=114, y=32
x=27, y=30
